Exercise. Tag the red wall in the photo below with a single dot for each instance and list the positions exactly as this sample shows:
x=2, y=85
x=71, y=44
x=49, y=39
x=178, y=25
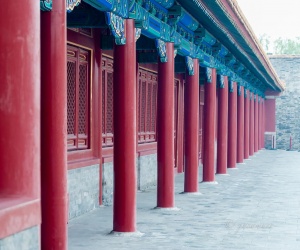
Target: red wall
x=270, y=115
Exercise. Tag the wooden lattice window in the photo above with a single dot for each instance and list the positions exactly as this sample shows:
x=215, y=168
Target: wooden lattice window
x=147, y=106
x=78, y=91
x=107, y=102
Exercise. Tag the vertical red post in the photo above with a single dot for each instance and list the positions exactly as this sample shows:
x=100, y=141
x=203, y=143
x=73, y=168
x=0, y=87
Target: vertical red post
x=209, y=126
x=259, y=123
x=222, y=125
x=165, y=131
x=232, y=126
x=124, y=207
x=255, y=123
x=240, y=125
x=20, y=115
x=263, y=124
x=191, y=127
x=251, y=126
x=246, y=123
x=54, y=127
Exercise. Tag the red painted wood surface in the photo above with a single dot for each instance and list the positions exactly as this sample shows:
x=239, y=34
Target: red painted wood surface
x=191, y=128
x=176, y=124
x=246, y=125
x=259, y=124
x=20, y=115
x=107, y=101
x=209, y=129
x=165, y=131
x=222, y=128
x=179, y=157
x=124, y=206
x=78, y=98
x=270, y=121
x=251, y=125
x=201, y=119
x=256, y=123
x=240, y=126
x=232, y=127
x=89, y=40
x=54, y=129
x=263, y=124
x=147, y=103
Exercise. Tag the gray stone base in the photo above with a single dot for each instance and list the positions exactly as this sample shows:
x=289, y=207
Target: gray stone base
x=28, y=239
x=107, y=183
x=146, y=176
x=83, y=188
x=147, y=171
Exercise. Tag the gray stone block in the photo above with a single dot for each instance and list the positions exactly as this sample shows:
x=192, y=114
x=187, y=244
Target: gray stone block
x=288, y=105
x=107, y=183
x=147, y=171
x=28, y=239
x=83, y=188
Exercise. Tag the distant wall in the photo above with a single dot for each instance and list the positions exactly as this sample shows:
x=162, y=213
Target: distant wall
x=288, y=104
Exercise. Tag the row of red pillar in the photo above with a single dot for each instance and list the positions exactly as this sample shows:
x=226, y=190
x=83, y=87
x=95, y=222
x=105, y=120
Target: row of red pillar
x=240, y=126
x=52, y=110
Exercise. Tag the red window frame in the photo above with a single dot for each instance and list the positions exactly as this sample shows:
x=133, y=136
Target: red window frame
x=147, y=106
x=78, y=100
x=107, y=102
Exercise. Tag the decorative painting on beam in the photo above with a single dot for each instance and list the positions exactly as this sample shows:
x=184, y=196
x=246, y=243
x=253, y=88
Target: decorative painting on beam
x=221, y=82
x=162, y=50
x=245, y=92
x=231, y=88
x=239, y=89
x=46, y=5
x=138, y=33
x=190, y=65
x=116, y=25
x=208, y=75
x=71, y=4
x=169, y=22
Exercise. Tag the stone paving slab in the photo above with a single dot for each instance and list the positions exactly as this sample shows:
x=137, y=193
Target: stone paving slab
x=256, y=206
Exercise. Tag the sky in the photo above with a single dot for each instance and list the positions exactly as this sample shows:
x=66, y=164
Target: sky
x=276, y=18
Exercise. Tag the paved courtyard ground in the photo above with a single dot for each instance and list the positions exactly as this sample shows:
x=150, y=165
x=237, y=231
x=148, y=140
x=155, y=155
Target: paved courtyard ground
x=256, y=206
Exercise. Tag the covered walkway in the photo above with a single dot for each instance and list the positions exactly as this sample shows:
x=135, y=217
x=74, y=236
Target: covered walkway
x=254, y=207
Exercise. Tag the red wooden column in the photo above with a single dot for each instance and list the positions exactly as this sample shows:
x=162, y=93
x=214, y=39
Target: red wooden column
x=232, y=125
x=222, y=125
x=251, y=125
x=259, y=123
x=246, y=123
x=255, y=123
x=263, y=123
x=54, y=127
x=191, y=130
x=240, y=124
x=20, y=117
x=165, y=131
x=124, y=207
x=209, y=126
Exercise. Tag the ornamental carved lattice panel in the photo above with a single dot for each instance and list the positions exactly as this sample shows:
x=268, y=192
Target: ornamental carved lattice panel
x=78, y=98
x=147, y=106
x=107, y=102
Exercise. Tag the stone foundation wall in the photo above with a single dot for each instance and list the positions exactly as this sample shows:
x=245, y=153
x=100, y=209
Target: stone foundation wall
x=107, y=183
x=83, y=189
x=146, y=176
x=288, y=104
x=147, y=171
x=28, y=239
